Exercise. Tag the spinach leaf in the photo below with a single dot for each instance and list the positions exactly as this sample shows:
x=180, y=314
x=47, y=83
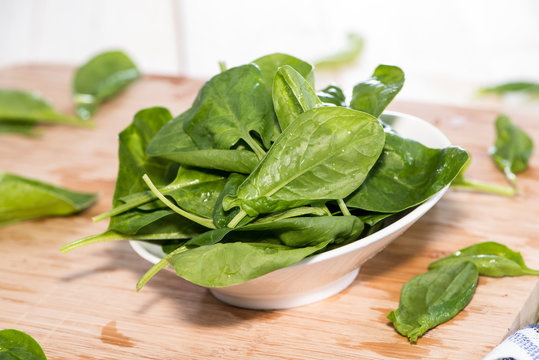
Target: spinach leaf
x=344, y=57
x=332, y=95
x=406, y=174
x=99, y=79
x=199, y=199
x=374, y=94
x=20, y=128
x=304, y=234
x=229, y=107
x=491, y=258
x=23, y=198
x=173, y=143
x=292, y=95
x=281, y=243
x=324, y=154
x=234, y=263
x=434, y=297
x=132, y=157
x=171, y=138
x=527, y=87
x=269, y=65
x=512, y=149
x=15, y=345
x=21, y=110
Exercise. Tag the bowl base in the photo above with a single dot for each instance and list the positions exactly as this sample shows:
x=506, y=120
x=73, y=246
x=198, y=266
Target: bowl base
x=285, y=301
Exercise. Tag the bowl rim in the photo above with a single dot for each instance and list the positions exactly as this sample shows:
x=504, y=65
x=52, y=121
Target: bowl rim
x=359, y=243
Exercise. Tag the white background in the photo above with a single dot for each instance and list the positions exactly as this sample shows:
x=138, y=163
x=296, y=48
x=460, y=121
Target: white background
x=446, y=48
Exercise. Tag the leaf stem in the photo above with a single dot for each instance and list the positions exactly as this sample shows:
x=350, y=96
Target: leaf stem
x=260, y=153
x=476, y=185
x=198, y=219
x=124, y=207
x=158, y=267
x=236, y=220
x=343, y=207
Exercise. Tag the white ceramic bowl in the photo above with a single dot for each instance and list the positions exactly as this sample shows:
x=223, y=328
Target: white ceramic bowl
x=323, y=275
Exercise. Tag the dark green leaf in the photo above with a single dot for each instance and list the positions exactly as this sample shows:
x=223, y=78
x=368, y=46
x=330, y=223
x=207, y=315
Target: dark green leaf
x=269, y=65
x=512, y=149
x=171, y=138
x=406, y=174
x=19, y=127
x=430, y=299
x=332, y=95
x=229, y=107
x=324, y=154
x=199, y=199
x=16, y=345
x=491, y=258
x=99, y=79
x=241, y=161
x=344, y=57
x=527, y=87
x=24, y=198
x=21, y=108
x=292, y=95
x=374, y=94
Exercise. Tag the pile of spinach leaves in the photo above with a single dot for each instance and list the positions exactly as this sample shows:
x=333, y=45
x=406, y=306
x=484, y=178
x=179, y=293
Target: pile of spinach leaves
x=436, y=296
x=262, y=171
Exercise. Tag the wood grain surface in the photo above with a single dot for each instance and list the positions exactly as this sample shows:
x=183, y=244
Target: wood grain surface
x=83, y=305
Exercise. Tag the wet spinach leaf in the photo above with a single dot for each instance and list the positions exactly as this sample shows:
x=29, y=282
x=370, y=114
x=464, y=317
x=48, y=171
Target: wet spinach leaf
x=21, y=110
x=229, y=107
x=101, y=78
x=292, y=95
x=332, y=95
x=235, y=258
x=17, y=345
x=221, y=217
x=512, y=149
x=434, y=297
x=406, y=174
x=325, y=154
x=491, y=258
x=269, y=64
x=23, y=198
x=374, y=95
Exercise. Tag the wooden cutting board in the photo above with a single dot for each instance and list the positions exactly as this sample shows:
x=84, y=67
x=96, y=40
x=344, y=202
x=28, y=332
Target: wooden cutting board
x=83, y=305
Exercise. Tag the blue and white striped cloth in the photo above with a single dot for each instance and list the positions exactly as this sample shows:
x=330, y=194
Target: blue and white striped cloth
x=522, y=345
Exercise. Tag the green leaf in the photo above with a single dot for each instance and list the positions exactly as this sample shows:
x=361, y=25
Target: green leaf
x=292, y=95
x=229, y=107
x=20, y=128
x=406, y=174
x=24, y=109
x=432, y=298
x=269, y=65
x=99, y=79
x=512, y=149
x=332, y=95
x=23, y=198
x=17, y=345
x=256, y=249
x=491, y=258
x=344, y=57
x=325, y=154
x=374, y=94
x=526, y=87
x=173, y=143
